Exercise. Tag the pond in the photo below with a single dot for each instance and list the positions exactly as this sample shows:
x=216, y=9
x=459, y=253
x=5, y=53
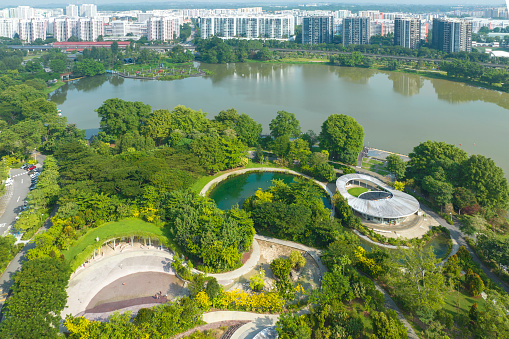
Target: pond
x=439, y=244
x=235, y=190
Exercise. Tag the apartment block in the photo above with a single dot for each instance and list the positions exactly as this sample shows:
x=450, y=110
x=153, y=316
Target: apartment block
x=356, y=30
x=317, y=30
x=452, y=35
x=407, y=32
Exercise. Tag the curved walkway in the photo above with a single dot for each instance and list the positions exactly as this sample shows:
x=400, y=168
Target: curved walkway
x=366, y=238
x=86, y=283
x=262, y=169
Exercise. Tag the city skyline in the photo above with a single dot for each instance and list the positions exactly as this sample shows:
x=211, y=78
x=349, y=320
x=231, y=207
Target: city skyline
x=47, y=3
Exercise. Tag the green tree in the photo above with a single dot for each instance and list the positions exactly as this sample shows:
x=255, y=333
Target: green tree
x=417, y=279
x=396, y=166
x=487, y=181
x=30, y=312
x=386, y=325
x=342, y=136
x=284, y=124
x=281, y=268
x=463, y=197
x=57, y=65
x=299, y=150
x=119, y=117
x=114, y=48
x=281, y=146
x=248, y=130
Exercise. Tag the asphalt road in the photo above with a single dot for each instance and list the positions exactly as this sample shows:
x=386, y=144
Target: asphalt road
x=18, y=192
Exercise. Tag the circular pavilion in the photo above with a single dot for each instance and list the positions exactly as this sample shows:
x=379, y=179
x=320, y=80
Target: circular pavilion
x=380, y=203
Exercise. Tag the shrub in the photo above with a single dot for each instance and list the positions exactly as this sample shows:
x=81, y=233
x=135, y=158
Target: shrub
x=281, y=268
x=297, y=260
x=256, y=281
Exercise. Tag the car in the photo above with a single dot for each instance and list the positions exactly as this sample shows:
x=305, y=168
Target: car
x=32, y=168
x=24, y=166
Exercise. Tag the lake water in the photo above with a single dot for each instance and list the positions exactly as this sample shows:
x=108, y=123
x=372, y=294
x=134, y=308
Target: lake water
x=237, y=189
x=397, y=110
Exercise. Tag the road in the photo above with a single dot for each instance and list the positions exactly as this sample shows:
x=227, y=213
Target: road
x=18, y=192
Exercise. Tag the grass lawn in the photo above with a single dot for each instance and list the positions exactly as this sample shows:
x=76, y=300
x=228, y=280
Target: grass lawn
x=53, y=87
x=465, y=302
x=200, y=183
x=356, y=191
x=87, y=243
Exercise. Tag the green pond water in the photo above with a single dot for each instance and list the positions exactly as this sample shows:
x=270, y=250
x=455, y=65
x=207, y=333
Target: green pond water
x=235, y=190
x=439, y=245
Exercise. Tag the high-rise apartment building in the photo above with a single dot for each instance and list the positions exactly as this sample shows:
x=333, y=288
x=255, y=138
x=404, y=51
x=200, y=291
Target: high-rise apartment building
x=21, y=12
x=317, y=30
x=72, y=11
x=356, y=30
x=30, y=30
x=88, y=10
x=407, y=32
x=248, y=26
x=163, y=28
x=89, y=29
x=8, y=27
x=452, y=35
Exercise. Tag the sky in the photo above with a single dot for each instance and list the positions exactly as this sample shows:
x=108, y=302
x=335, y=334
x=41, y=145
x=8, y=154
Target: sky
x=34, y=3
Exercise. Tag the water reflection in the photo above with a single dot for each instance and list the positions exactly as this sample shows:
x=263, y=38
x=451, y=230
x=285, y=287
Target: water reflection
x=59, y=96
x=406, y=84
x=116, y=80
x=455, y=92
x=246, y=70
x=352, y=74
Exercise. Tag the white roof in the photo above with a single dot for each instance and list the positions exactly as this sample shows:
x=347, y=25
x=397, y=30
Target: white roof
x=398, y=206
x=498, y=54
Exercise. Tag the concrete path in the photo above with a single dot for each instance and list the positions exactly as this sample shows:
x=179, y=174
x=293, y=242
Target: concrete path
x=257, y=321
x=85, y=284
x=389, y=303
x=366, y=238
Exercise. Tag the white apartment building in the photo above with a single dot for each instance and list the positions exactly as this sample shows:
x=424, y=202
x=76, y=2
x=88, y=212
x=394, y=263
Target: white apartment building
x=21, y=12
x=64, y=28
x=89, y=29
x=121, y=28
x=72, y=11
x=30, y=30
x=9, y=27
x=248, y=26
x=88, y=10
x=163, y=28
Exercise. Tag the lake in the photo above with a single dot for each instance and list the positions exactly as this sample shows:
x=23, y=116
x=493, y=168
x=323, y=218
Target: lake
x=397, y=110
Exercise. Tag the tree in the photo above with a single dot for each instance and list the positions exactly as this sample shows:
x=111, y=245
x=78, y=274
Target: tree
x=297, y=260
x=256, y=281
x=57, y=65
x=428, y=157
x=440, y=191
x=29, y=312
x=486, y=181
x=281, y=146
x=474, y=283
x=342, y=136
x=119, y=117
x=417, y=279
x=284, y=124
x=396, y=166
x=324, y=172
x=114, y=48
x=386, y=325
x=281, y=268
x=248, y=130
x=463, y=197
x=89, y=67
x=299, y=150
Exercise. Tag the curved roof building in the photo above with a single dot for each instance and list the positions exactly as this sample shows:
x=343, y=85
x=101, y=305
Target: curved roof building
x=381, y=204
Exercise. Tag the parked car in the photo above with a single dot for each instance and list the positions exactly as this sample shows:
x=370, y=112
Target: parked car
x=31, y=168
x=24, y=166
